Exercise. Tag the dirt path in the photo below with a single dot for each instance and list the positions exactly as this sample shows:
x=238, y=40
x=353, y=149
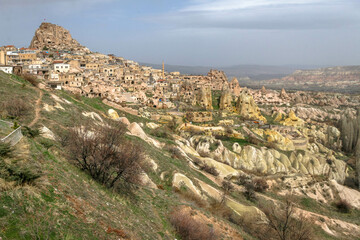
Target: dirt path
x=37, y=109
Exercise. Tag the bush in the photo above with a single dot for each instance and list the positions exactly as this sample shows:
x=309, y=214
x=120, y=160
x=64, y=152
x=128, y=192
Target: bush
x=105, y=154
x=190, y=196
x=220, y=209
x=343, y=206
x=30, y=133
x=260, y=185
x=20, y=173
x=15, y=107
x=5, y=149
x=249, y=192
x=162, y=132
x=210, y=169
x=190, y=229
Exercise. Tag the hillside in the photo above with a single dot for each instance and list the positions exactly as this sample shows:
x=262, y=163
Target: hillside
x=341, y=78
x=66, y=203
x=194, y=180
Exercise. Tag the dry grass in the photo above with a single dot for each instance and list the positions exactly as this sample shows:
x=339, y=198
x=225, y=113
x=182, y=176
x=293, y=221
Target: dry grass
x=189, y=228
x=15, y=108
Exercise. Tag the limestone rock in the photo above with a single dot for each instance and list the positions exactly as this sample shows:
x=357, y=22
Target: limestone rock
x=152, y=125
x=146, y=181
x=93, y=115
x=55, y=37
x=47, y=133
x=124, y=120
x=136, y=130
x=180, y=180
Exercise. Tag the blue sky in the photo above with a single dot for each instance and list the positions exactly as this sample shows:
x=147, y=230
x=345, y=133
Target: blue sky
x=198, y=32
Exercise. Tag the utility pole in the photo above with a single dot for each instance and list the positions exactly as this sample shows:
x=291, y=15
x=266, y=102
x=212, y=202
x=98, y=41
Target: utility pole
x=163, y=70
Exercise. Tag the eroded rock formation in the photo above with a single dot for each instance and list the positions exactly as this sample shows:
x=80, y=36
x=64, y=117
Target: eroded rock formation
x=247, y=108
x=54, y=37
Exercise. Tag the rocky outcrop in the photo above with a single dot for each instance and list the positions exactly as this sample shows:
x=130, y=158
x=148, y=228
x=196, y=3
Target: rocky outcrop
x=316, y=160
x=292, y=120
x=349, y=125
x=275, y=138
x=54, y=37
x=247, y=108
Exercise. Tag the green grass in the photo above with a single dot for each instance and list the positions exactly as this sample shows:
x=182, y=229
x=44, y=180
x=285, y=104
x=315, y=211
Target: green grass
x=216, y=99
x=5, y=129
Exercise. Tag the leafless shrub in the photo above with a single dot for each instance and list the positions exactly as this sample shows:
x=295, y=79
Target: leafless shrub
x=249, y=192
x=189, y=228
x=227, y=188
x=284, y=225
x=260, y=184
x=254, y=185
x=15, y=107
x=104, y=153
x=210, y=169
x=220, y=209
x=31, y=79
x=343, y=206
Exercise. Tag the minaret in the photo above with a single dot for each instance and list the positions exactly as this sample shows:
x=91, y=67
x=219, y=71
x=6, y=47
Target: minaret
x=163, y=70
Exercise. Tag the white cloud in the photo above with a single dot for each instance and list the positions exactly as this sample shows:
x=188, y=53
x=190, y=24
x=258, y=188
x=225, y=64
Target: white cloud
x=229, y=5
x=264, y=14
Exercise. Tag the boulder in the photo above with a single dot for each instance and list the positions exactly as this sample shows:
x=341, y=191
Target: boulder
x=113, y=114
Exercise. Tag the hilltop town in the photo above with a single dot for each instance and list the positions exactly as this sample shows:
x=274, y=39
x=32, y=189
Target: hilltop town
x=216, y=148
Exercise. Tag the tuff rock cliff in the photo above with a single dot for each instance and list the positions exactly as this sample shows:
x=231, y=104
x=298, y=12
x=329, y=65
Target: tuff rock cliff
x=54, y=37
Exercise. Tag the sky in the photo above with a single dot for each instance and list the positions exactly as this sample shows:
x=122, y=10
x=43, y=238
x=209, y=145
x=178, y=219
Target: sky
x=198, y=32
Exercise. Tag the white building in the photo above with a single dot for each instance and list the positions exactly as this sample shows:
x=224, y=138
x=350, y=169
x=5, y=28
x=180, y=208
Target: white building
x=61, y=67
x=6, y=69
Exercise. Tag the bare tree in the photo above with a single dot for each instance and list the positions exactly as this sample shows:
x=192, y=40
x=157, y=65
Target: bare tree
x=227, y=188
x=283, y=224
x=105, y=154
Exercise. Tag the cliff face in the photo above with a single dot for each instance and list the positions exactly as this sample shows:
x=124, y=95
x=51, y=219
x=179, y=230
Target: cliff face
x=55, y=37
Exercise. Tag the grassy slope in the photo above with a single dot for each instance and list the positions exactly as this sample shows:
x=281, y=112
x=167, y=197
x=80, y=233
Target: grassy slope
x=65, y=202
